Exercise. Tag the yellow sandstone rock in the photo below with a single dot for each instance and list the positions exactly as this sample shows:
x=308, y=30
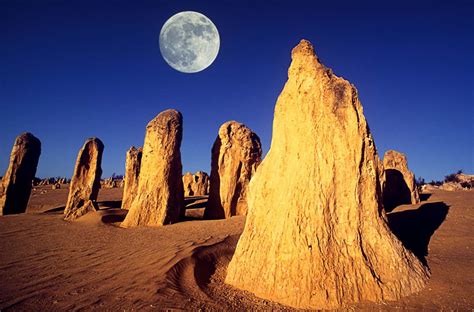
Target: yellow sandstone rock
x=85, y=182
x=195, y=184
x=399, y=185
x=236, y=154
x=316, y=235
x=160, y=198
x=15, y=187
x=132, y=171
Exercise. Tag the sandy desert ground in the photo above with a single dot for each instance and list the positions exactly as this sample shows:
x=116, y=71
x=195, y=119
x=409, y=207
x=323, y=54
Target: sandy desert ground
x=48, y=264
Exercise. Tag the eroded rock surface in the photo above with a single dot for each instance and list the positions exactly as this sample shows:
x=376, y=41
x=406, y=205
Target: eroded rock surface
x=236, y=154
x=316, y=235
x=85, y=182
x=399, y=185
x=15, y=186
x=132, y=171
x=196, y=184
x=200, y=184
x=159, y=199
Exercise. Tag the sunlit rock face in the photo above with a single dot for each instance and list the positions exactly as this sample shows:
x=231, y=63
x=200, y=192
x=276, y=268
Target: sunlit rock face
x=316, y=235
x=160, y=198
x=15, y=186
x=236, y=154
x=85, y=182
x=399, y=185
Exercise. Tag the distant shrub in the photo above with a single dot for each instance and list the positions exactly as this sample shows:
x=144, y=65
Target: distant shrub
x=467, y=184
x=420, y=181
x=435, y=183
x=452, y=177
x=116, y=176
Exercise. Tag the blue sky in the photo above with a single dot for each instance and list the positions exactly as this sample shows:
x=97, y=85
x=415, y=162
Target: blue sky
x=70, y=70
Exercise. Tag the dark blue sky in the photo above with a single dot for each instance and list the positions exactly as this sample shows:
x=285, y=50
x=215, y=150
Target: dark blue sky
x=74, y=69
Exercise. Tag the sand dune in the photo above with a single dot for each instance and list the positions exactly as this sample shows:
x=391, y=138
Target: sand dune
x=92, y=264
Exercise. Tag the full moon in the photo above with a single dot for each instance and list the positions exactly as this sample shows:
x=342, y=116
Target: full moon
x=189, y=42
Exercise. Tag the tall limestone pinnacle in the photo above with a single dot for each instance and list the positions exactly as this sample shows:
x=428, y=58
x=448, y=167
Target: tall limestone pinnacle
x=85, y=182
x=236, y=154
x=15, y=186
x=398, y=185
x=316, y=235
x=160, y=196
x=133, y=161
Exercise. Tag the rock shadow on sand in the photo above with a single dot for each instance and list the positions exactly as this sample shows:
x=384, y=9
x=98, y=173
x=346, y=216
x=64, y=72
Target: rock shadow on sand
x=414, y=228
x=395, y=191
x=425, y=196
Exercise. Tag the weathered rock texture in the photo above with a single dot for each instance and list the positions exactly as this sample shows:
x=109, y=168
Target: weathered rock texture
x=316, y=235
x=159, y=199
x=15, y=188
x=399, y=185
x=236, y=154
x=88, y=206
x=200, y=184
x=188, y=179
x=85, y=183
x=132, y=172
x=195, y=184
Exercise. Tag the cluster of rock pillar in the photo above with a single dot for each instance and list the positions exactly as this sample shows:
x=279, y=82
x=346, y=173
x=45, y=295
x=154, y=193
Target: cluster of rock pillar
x=316, y=234
x=154, y=194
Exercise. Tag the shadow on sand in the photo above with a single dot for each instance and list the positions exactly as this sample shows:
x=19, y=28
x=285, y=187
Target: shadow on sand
x=425, y=197
x=113, y=215
x=395, y=190
x=109, y=204
x=414, y=228
x=56, y=210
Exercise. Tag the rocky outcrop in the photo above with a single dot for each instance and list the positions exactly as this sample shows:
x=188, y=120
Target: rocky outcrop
x=316, y=235
x=85, y=182
x=159, y=199
x=88, y=206
x=236, y=154
x=49, y=181
x=15, y=187
x=133, y=160
x=195, y=184
x=398, y=185
x=453, y=182
x=188, y=178
x=110, y=183
x=200, y=184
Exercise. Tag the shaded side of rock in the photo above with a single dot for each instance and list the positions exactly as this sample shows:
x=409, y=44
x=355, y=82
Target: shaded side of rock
x=399, y=185
x=316, y=235
x=15, y=187
x=85, y=182
x=159, y=199
x=236, y=154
